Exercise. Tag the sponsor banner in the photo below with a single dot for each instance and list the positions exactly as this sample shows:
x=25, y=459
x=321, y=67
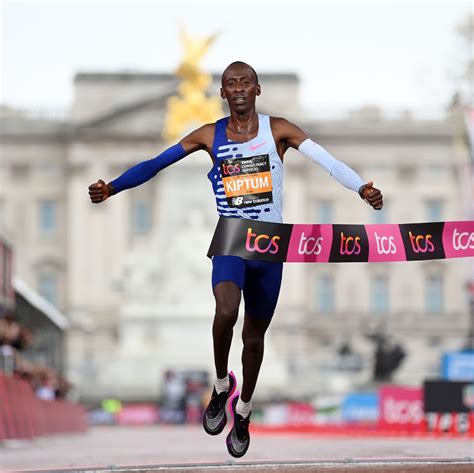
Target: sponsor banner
x=275, y=414
x=138, y=414
x=300, y=413
x=349, y=244
x=310, y=243
x=251, y=240
x=449, y=406
x=279, y=242
x=458, y=239
x=100, y=417
x=449, y=422
x=423, y=241
x=449, y=396
x=361, y=407
x=385, y=243
x=289, y=414
x=401, y=407
x=458, y=366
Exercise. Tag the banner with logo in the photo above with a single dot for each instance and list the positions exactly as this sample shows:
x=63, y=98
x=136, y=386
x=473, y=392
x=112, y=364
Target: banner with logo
x=138, y=414
x=401, y=407
x=361, y=407
x=448, y=396
x=289, y=414
x=326, y=243
x=458, y=366
x=449, y=406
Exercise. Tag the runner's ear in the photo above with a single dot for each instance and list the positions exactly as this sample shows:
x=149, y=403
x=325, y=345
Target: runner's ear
x=222, y=93
x=258, y=90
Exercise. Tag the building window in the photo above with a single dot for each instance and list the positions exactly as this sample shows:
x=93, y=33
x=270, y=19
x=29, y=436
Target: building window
x=44, y=167
x=47, y=217
x=434, y=293
x=325, y=212
x=379, y=294
x=325, y=301
x=381, y=216
x=48, y=286
x=141, y=217
x=434, y=210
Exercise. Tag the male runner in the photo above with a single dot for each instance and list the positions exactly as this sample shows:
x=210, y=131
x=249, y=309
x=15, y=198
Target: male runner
x=244, y=141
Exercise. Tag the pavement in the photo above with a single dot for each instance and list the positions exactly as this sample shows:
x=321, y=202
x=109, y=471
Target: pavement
x=188, y=449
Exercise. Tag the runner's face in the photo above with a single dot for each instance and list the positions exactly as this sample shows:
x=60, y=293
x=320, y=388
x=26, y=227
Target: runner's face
x=240, y=89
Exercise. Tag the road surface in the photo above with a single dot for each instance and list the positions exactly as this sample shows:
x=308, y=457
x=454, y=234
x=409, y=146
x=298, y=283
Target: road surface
x=188, y=449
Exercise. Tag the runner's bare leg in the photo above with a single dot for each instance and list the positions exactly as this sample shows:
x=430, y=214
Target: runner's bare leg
x=253, y=335
x=227, y=295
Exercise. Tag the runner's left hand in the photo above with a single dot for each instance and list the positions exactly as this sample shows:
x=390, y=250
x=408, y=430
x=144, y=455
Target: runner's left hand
x=372, y=195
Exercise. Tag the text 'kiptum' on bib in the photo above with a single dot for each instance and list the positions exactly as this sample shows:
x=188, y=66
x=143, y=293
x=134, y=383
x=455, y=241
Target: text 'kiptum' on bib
x=247, y=181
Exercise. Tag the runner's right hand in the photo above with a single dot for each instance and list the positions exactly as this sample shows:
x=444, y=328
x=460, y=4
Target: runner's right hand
x=99, y=191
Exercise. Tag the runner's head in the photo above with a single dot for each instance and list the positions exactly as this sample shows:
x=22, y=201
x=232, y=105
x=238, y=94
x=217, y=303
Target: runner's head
x=240, y=86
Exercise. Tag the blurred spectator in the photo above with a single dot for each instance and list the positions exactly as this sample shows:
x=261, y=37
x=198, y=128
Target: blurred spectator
x=63, y=386
x=47, y=385
x=13, y=334
x=14, y=338
x=10, y=338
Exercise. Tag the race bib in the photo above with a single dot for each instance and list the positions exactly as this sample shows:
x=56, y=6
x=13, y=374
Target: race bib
x=247, y=181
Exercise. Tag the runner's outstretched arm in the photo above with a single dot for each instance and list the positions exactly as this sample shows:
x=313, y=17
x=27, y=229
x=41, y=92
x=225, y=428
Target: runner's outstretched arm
x=296, y=138
x=144, y=171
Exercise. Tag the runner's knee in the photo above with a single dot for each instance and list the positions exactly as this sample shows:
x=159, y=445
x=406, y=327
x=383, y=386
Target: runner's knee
x=226, y=313
x=253, y=341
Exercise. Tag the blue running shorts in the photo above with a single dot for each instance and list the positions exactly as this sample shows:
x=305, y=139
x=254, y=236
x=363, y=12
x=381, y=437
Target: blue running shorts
x=260, y=281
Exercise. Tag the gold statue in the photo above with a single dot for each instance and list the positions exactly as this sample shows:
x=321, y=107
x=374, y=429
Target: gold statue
x=192, y=107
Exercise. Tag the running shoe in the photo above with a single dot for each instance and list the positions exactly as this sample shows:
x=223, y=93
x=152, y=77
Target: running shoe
x=238, y=440
x=215, y=418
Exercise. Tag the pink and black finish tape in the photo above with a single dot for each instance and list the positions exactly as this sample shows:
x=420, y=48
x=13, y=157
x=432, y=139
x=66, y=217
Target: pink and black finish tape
x=303, y=243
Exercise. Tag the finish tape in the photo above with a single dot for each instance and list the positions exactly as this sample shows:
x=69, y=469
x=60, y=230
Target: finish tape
x=326, y=243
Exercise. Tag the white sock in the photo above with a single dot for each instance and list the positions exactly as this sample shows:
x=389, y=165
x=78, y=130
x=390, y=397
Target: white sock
x=243, y=408
x=222, y=385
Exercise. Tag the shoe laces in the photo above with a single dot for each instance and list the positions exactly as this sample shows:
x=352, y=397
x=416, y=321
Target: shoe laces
x=242, y=426
x=217, y=403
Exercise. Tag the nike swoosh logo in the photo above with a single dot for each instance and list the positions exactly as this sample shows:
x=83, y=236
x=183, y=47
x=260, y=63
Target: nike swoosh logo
x=254, y=147
x=213, y=423
x=237, y=444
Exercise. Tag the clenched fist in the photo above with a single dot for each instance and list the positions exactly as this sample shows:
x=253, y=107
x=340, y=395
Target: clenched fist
x=100, y=191
x=372, y=195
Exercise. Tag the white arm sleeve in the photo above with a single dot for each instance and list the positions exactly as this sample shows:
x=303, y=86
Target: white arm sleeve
x=340, y=171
